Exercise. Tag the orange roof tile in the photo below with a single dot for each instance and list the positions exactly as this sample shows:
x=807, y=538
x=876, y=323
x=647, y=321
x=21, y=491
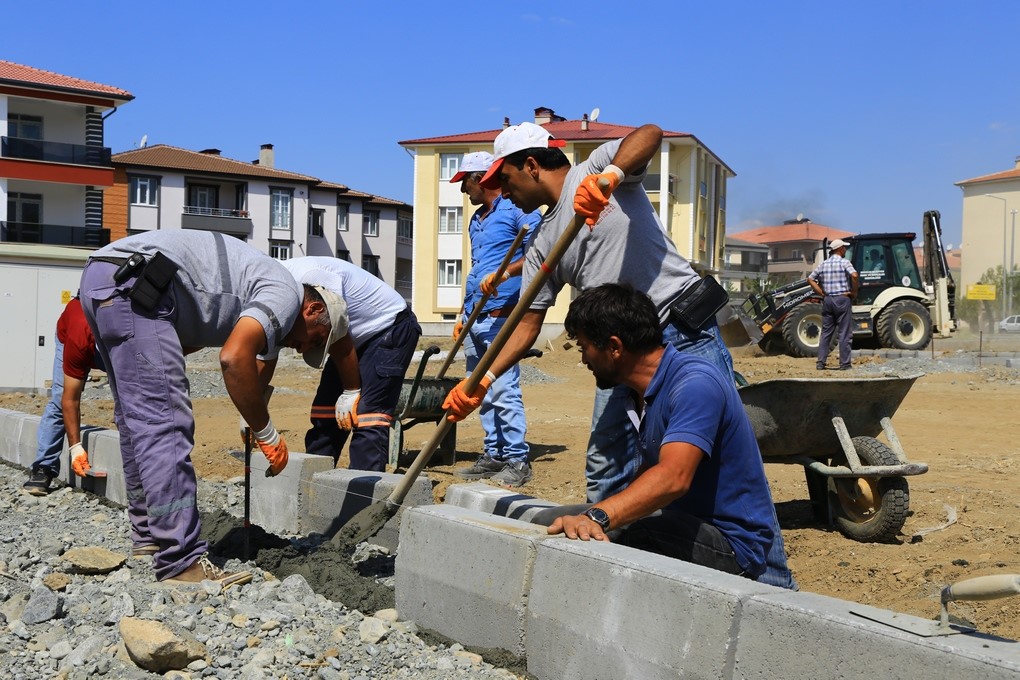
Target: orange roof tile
x=19, y=74
x=174, y=158
x=805, y=231
x=1006, y=174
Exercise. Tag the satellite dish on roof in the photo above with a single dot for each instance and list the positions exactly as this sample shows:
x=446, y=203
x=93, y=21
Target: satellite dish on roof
x=594, y=115
x=144, y=141
x=800, y=216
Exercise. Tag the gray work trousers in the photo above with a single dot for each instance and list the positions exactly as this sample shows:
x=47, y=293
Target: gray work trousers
x=837, y=312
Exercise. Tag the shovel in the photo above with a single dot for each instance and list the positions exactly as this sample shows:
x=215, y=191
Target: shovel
x=481, y=303
x=369, y=521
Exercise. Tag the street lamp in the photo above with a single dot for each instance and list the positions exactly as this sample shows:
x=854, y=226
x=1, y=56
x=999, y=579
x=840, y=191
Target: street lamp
x=1004, y=204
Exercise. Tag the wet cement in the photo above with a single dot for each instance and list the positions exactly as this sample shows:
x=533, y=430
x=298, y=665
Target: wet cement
x=497, y=657
x=327, y=568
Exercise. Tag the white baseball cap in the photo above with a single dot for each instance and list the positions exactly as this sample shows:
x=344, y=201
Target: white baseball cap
x=479, y=161
x=516, y=138
x=336, y=308
x=837, y=243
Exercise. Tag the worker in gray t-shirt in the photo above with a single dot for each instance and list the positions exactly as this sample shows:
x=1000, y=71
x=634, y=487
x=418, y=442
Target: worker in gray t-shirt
x=150, y=299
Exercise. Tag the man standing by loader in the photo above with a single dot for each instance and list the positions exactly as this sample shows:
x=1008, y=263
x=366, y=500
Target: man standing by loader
x=836, y=281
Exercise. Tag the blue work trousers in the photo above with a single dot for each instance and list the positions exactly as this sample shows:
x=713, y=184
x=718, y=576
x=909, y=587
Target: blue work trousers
x=502, y=409
x=145, y=364
x=50, y=437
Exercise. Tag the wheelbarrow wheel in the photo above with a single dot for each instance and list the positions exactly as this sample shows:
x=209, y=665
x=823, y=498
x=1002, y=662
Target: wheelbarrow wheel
x=872, y=510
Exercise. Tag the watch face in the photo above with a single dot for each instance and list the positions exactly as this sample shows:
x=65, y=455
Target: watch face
x=599, y=516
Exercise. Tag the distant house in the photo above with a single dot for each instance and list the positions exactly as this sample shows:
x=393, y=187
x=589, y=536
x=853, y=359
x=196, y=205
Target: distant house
x=53, y=165
x=686, y=183
x=794, y=246
x=282, y=213
x=744, y=261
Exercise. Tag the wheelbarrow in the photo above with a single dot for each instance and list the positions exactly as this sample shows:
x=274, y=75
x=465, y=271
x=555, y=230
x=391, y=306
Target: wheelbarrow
x=854, y=480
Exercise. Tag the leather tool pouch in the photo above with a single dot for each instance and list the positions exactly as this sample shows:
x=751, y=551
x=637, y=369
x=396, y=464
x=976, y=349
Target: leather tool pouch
x=698, y=304
x=153, y=281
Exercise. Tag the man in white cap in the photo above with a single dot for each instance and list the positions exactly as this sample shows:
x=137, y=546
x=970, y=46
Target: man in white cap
x=836, y=281
x=369, y=348
x=625, y=243
x=492, y=231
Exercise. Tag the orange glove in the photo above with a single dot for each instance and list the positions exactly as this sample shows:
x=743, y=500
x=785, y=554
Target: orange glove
x=80, y=460
x=590, y=199
x=274, y=448
x=490, y=284
x=347, y=409
x=460, y=405
x=458, y=327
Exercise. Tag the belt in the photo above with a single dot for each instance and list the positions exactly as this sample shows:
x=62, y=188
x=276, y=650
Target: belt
x=501, y=312
x=847, y=294
x=106, y=258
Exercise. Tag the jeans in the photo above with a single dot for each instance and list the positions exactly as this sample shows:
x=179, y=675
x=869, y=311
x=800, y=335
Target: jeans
x=502, y=409
x=51, y=426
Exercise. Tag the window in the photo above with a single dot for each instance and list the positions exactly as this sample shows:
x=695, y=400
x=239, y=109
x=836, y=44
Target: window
x=344, y=255
x=405, y=228
x=24, y=127
x=370, y=220
x=279, y=208
x=449, y=272
x=144, y=190
x=449, y=164
x=342, y=216
x=279, y=250
x=316, y=218
x=370, y=263
x=202, y=199
x=451, y=220
x=795, y=252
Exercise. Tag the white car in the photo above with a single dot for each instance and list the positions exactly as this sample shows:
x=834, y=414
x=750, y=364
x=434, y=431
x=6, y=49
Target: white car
x=1011, y=324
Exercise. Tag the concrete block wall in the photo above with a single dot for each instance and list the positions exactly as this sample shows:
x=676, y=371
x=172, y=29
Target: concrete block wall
x=597, y=610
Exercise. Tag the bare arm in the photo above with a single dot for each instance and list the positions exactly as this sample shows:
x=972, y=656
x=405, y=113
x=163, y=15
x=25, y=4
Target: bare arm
x=70, y=402
x=638, y=148
x=815, y=287
x=855, y=283
x=346, y=360
x=241, y=372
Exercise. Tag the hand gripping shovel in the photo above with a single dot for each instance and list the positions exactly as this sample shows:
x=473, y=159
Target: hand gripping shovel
x=369, y=521
x=481, y=303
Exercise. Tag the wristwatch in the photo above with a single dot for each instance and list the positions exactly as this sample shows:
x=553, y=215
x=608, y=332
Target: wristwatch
x=599, y=516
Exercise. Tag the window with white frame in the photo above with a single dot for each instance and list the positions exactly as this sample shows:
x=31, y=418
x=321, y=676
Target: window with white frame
x=24, y=127
x=449, y=165
x=451, y=220
x=449, y=272
x=316, y=218
x=343, y=215
x=279, y=250
x=370, y=263
x=370, y=223
x=144, y=190
x=405, y=227
x=280, y=208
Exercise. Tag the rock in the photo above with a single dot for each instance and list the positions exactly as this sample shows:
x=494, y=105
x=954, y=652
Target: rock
x=121, y=605
x=18, y=628
x=389, y=616
x=93, y=560
x=84, y=652
x=56, y=581
x=372, y=630
x=60, y=650
x=157, y=647
x=42, y=606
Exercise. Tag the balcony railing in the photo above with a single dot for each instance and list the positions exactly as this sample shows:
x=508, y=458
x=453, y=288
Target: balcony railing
x=53, y=234
x=54, y=152
x=214, y=212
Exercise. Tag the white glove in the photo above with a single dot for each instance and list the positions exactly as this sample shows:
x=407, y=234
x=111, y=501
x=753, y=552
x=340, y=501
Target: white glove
x=347, y=409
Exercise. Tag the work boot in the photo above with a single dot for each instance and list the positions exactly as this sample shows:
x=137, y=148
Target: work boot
x=38, y=483
x=483, y=468
x=514, y=474
x=204, y=570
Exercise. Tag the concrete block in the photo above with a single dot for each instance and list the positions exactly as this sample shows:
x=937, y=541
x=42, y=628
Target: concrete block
x=804, y=635
x=467, y=574
x=28, y=440
x=104, y=456
x=10, y=435
x=494, y=500
x=601, y=610
x=277, y=503
x=335, y=496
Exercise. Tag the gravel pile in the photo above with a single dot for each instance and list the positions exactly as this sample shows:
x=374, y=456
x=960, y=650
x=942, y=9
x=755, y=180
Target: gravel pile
x=73, y=605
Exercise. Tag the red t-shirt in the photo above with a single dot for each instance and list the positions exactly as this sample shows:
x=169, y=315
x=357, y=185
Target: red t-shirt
x=79, y=343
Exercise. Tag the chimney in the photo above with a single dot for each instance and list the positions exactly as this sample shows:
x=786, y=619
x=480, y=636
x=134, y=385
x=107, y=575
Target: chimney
x=506, y=122
x=210, y=152
x=1016, y=162
x=266, y=156
x=543, y=115
x=584, y=123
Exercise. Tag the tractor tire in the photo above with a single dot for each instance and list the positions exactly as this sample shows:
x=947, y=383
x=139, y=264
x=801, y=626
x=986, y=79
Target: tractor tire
x=904, y=325
x=869, y=510
x=802, y=330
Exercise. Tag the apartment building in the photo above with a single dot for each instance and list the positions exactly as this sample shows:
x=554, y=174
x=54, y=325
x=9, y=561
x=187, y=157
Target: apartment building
x=284, y=214
x=794, y=246
x=53, y=164
x=744, y=261
x=686, y=183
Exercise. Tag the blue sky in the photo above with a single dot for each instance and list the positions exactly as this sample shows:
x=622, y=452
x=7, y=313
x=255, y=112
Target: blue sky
x=858, y=115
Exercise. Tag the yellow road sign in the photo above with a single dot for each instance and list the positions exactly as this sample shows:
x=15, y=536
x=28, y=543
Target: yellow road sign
x=980, y=291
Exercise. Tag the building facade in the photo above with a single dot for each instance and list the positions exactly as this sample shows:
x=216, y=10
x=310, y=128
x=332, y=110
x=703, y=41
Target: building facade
x=990, y=206
x=686, y=183
x=794, y=246
x=744, y=261
x=284, y=214
x=53, y=165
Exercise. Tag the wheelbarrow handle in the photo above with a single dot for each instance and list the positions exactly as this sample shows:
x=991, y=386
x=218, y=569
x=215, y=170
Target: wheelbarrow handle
x=429, y=351
x=507, y=259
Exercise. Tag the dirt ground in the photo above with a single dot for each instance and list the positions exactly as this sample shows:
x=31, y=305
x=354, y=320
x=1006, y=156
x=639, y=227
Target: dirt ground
x=957, y=423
